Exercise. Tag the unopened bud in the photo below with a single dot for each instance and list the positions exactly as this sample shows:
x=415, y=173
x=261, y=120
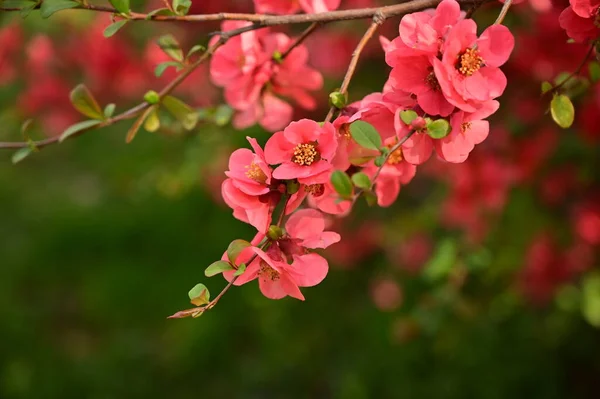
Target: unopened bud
x=419, y=123
x=292, y=186
x=337, y=99
x=274, y=233
x=151, y=97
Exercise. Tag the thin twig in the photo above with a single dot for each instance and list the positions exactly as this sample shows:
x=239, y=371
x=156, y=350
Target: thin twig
x=354, y=60
x=575, y=72
x=503, y=12
x=307, y=32
x=389, y=154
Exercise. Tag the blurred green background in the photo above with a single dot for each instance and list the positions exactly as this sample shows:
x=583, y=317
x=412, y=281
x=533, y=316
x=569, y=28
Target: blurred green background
x=100, y=241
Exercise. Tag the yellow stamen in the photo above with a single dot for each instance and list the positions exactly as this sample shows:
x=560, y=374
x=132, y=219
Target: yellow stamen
x=305, y=154
x=255, y=173
x=470, y=62
x=268, y=272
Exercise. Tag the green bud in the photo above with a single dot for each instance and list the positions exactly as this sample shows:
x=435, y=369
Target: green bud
x=151, y=97
x=274, y=232
x=337, y=99
x=292, y=186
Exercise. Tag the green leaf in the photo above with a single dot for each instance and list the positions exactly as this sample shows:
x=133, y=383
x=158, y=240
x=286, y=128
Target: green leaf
x=440, y=264
x=199, y=295
x=162, y=67
x=182, y=7
x=370, y=197
x=223, y=115
x=217, y=267
x=109, y=110
x=594, y=69
x=546, y=87
x=361, y=180
x=25, y=6
x=132, y=132
x=358, y=161
x=49, y=7
x=76, y=128
x=84, y=102
x=195, y=49
x=438, y=129
x=562, y=110
x=152, y=122
x=240, y=270
x=408, y=116
x=21, y=154
x=171, y=47
x=114, y=28
x=185, y=114
x=590, y=306
x=365, y=135
x=122, y=6
x=235, y=248
x=342, y=184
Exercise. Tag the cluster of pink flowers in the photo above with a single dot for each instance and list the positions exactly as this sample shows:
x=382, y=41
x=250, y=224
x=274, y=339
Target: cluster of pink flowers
x=255, y=76
x=441, y=69
x=581, y=20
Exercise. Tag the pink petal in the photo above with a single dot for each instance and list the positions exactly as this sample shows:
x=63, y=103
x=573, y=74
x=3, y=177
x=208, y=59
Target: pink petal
x=495, y=45
x=302, y=131
x=290, y=170
x=278, y=149
x=312, y=269
x=277, y=113
x=305, y=224
x=416, y=32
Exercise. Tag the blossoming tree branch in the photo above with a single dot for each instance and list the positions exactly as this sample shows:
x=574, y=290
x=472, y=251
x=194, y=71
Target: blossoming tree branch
x=445, y=81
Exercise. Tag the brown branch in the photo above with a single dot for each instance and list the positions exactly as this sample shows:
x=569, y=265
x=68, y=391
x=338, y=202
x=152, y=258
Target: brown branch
x=307, y=32
x=377, y=20
x=503, y=12
x=263, y=20
x=130, y=113
x=576, y=72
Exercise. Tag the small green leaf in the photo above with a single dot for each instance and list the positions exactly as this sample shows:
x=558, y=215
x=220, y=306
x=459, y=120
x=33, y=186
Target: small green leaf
x=137, y=124
x=84, y=102
x=370, y=197
x=162, y=67
x=24, y=127
x=171, y=47
x=590, y=306
x=223, y=115
x=594, y=69
x=361, y=180
x=342, y=184
x=438, y=129
x=109, y=110
x=182, y=7
x=379, y=161
x=235, y=248
x=240, y=270
x=49, y=7
x=217, y=267
x=338, y=99
x=152, y=122
x=274, y=232
x=21, y=154
x=199, y=295
x=76, y=128
x=25, y=6
x=562, y=110
x=114, y=28
x=186, y=115
x=122, y=6
x=408, y=116
x=442, y=261
x=546, y=87
x=194, y=312
x=152, y=97
x=197, y=48
x=358, y=161
x=365, y=135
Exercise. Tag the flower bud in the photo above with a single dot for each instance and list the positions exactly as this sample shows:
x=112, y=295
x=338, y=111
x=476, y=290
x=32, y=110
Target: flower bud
x=418, y=123
x=337, y=99
x=274, y=233
x=151, y=97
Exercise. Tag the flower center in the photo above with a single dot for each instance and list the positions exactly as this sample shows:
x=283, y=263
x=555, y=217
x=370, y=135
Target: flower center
x=345, y=131
x=305, y=154
x=315, y=189
x=267, y=271
x=395, y=156
x=465, y=126
x=432, y=81
x=470, y=62
x=255, y=173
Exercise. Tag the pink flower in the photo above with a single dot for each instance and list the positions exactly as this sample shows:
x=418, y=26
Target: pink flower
x=315, y=6
x=306, y=228
x=252, y=209
x=244, y=257
x=581, y=20
x=249, y=170
x=469, y=73
x=467, y=130
x=303, y=149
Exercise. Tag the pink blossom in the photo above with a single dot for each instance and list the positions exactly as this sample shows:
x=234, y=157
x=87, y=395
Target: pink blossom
x=307, y=228
x=252, y=209
x=249, y=170
x=469, y=73
x=282, y=7
x=303, y=149
x=468, y=129
x=581, y=21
